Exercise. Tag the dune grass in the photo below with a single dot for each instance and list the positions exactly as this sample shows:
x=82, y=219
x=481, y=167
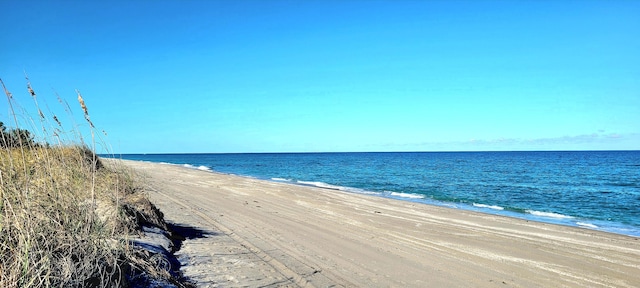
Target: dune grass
x=65, y=218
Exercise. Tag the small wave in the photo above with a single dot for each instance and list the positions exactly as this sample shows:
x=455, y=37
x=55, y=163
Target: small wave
x=203, y=168
x=624, y=184
x=358, y=190
x=326, y=186
x=588, y=225
x=364, y=192
x=548, y=214
x=494, y=207
x=321, y=185
x=407, y=195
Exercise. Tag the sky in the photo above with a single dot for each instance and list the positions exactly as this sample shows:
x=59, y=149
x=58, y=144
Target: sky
x=329, y=76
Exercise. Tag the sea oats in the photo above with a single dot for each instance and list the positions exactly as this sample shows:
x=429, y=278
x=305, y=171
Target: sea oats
x=6, y=92
x=64, y=216
x=33, y=93
x=84, y=107
x=55, y=118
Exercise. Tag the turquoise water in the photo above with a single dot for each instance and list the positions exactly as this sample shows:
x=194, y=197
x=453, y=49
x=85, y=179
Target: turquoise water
x=596, y=190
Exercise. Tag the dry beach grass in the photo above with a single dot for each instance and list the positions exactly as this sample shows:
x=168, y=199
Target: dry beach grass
x=54, y=233
x=65, y=218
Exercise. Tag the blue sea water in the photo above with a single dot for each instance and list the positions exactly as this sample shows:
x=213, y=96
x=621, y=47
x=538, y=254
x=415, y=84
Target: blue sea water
x=592, y=189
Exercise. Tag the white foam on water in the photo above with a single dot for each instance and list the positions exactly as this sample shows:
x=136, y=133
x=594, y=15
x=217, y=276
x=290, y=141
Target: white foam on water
x=201, y=167
x=321, y=185
x=365, y=192
x=327, y=186
x=406, y=195
x=494, y=207
x=548, y=214
x=585, y=224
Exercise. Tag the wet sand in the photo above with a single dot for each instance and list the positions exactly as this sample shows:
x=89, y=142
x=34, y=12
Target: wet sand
x=267, y=234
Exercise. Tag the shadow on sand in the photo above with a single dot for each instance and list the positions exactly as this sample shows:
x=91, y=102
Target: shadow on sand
x=161, y=254
x=180, y=232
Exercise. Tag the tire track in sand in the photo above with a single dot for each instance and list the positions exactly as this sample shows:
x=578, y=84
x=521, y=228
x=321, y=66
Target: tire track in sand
x=293, y=278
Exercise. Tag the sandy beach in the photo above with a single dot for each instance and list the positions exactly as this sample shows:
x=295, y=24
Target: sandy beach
x=268, y=234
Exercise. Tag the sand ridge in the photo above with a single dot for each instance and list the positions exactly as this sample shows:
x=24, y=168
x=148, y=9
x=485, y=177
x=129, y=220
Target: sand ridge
x=268, y=234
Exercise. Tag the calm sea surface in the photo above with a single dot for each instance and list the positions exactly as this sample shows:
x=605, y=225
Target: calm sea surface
x=596, y=190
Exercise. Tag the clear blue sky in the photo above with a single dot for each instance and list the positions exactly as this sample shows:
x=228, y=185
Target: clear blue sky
x=304, y=76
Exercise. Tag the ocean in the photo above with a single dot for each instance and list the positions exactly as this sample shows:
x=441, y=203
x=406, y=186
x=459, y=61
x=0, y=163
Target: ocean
x=597, y=190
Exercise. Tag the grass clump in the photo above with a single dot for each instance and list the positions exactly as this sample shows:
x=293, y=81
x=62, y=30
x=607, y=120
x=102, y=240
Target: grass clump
x=51, y=234
x=65, y=218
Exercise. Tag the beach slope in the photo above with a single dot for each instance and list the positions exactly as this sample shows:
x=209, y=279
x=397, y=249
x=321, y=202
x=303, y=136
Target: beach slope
x=263, y=233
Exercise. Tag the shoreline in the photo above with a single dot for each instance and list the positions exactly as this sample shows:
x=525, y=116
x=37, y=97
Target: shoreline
x=266, y=233
x=522, y=214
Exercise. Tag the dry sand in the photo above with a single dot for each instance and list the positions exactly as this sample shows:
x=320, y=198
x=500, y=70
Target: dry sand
x=266, y=234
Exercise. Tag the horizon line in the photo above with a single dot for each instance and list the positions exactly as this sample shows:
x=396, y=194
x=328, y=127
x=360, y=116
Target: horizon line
x=363, y=152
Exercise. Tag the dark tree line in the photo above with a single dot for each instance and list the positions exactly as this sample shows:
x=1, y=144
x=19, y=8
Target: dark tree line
x=15, y=137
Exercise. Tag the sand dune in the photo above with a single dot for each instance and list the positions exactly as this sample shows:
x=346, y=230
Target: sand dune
x=267, y=234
